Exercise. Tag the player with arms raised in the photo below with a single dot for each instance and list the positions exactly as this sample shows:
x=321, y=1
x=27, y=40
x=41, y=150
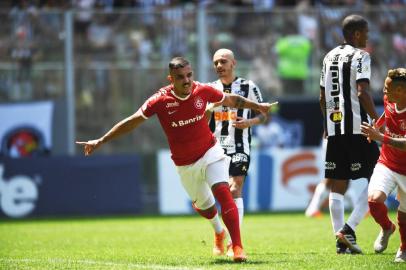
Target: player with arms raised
x=390, y=171
x=200, y=160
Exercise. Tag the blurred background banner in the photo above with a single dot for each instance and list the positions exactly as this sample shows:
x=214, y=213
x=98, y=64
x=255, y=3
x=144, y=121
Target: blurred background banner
x=56, y=186
x=279, y=180
x=26, y=129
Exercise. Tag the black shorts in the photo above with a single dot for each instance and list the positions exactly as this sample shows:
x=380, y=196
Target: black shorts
x=239, y=164
x=350, y=157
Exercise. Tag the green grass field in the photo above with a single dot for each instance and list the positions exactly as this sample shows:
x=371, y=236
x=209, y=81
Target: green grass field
x=272, y=241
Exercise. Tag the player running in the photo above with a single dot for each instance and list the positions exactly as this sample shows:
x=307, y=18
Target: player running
x=199, y=159
x=390, y=171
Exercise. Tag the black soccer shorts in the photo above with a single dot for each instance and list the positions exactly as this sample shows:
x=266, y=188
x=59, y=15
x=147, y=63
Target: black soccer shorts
x=350, y=157
x=239, y=164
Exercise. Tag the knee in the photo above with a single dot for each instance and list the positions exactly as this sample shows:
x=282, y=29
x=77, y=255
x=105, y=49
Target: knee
x=236, y=187
x=376, y=197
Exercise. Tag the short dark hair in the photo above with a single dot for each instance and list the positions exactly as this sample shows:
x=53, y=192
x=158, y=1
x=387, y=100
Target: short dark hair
x=398, y=75
x=178, y=62
x=353, y=23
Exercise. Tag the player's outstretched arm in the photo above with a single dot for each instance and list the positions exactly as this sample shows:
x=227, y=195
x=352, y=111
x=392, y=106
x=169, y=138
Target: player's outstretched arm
x=122, y=127
x=236, y=101
x=242, y=123
x=372, y=133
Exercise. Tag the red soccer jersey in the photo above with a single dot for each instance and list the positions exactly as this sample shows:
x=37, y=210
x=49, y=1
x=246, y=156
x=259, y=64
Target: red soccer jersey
x=183, y=120
x=395, y=121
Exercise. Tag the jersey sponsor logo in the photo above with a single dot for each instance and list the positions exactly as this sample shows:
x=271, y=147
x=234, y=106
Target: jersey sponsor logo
x=173, y=104
x=359, y=66
x=330, y=165
x=257, y=94
x=239, y=92
x=393, y=134
x=225, y=116
x=330, y=105
x=337, y=58
x=336, y=117
x=355, y=166
x=186, y=122
x=239, y=157
x=225, y=142
x=199, y=103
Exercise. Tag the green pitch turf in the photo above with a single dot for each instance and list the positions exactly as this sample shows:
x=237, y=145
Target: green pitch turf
x=272, y=241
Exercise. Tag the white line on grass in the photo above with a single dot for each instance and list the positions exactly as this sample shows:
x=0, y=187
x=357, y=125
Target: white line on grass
x=94, y=262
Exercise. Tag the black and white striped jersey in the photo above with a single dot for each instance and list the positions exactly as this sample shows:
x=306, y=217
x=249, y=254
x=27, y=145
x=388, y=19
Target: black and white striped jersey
x=231, y=139
x=343, y=67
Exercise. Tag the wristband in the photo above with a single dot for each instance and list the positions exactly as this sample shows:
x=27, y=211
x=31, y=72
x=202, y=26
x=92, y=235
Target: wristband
x=385, y=139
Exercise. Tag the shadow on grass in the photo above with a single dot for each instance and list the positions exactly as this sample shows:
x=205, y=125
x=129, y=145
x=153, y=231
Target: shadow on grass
x=229, y=261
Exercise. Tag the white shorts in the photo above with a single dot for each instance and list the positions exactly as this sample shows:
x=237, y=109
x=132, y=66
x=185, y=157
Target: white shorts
x=386, y=180
x=198, y=178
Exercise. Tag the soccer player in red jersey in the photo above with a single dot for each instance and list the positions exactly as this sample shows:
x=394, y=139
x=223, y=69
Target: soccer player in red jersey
x=390, y=171
x=200, y=160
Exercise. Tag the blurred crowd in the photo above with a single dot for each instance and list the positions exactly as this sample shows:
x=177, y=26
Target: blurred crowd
x=121, y=47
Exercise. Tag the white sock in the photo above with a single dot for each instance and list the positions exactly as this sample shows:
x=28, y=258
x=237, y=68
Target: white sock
x=216, y=223
x=352, y=197
x=336, y=205
x=320, y=194
x=360, y=209
x=240, y=206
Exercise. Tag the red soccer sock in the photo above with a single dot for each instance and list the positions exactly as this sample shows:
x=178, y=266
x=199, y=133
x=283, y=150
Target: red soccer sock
x=402, y=231
x=379, y=212
x=229, y=212
x=207, y=213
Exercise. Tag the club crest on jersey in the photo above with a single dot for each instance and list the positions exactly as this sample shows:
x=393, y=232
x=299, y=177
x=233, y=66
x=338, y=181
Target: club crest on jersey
x=336, y=116
x=199, y=103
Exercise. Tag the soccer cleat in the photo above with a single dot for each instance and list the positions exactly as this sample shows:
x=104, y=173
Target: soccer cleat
x=400, y=256
x=230, y=252
x=381, y=242
x=316, y=214
x=342, y=248
x=239, y=254
x=347, y=236
x=218, y=248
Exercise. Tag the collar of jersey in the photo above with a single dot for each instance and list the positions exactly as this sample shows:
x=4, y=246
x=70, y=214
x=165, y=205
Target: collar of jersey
x=399, y=111
x=181, y=98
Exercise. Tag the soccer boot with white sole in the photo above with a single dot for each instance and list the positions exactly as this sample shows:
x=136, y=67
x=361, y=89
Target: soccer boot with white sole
x=230, y=252
x=347, y=236
x=400, y=256
x=381, y=242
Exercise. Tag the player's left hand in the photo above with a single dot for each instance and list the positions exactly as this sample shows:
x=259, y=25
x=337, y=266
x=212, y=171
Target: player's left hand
x=90, y=146
x=265, y=108
x=241, y=123
x=371, y=131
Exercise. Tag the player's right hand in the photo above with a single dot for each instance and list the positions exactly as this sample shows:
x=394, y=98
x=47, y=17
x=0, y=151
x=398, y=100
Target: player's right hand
x=90, y=146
